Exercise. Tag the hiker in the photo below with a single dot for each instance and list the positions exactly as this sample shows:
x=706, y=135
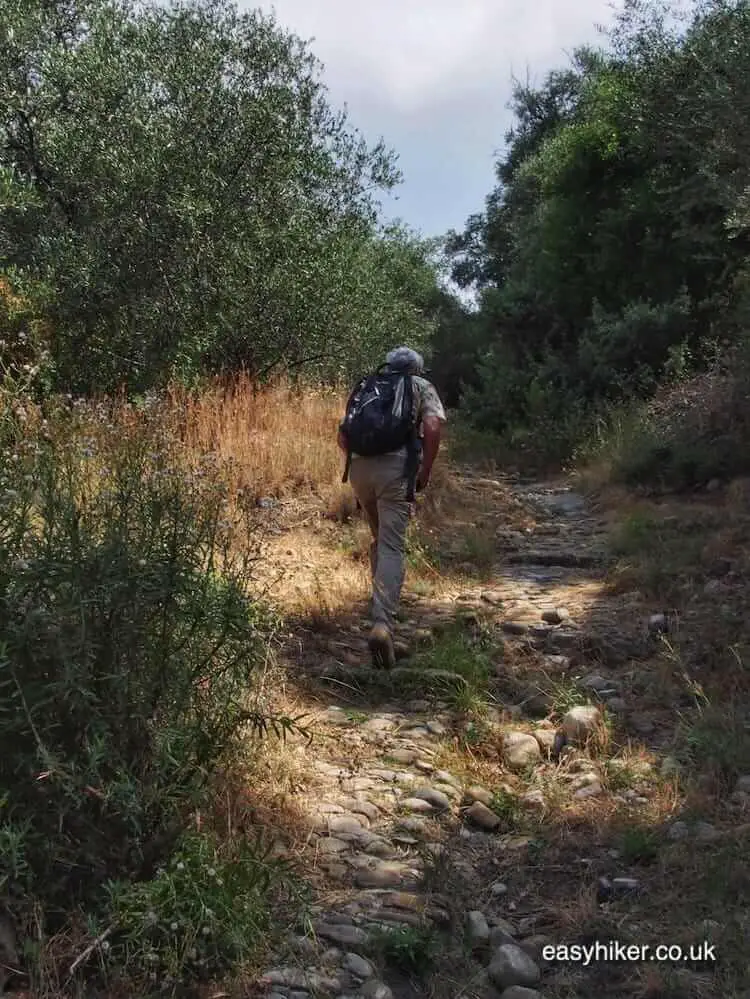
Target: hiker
x=391, y=437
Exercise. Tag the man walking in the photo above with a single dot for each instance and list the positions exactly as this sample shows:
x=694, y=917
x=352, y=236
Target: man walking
x=391, y=436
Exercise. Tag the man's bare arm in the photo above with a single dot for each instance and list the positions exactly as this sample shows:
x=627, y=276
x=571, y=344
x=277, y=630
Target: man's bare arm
x=432, y=428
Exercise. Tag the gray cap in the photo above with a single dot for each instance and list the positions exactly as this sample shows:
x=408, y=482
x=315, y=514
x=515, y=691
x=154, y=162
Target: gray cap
x=405, y=359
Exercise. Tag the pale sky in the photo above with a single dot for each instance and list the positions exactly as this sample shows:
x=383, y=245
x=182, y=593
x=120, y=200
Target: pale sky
x=433, y=78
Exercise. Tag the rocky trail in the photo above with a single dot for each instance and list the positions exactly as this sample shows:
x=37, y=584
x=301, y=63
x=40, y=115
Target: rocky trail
x=494, y=794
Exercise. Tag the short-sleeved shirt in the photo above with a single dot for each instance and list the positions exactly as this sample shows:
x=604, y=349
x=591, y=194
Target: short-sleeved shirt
x=427, y=402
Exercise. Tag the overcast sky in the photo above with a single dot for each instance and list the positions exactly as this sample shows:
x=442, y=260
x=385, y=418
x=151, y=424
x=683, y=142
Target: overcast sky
x=433, y=78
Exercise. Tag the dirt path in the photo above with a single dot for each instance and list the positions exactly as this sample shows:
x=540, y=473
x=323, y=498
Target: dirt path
x=498, y=792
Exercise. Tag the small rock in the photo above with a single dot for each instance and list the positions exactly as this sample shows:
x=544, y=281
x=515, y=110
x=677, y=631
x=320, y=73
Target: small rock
x=375, y=990
x=533, y=799
x=511, y=966
x=358, y=966
x=546, y=739
x=415, y=826
x=477, y=793
x=297, y=978
x=336, y=716
x=501, y=933
x=437, y=799
x=538, y=705
x=617, y=705
x=418, y=805
x=424, y=766
x=378, y=847
x=520, y=992
x=388, y=776
x=555, y=616
x=499, y=889
x=477, y=928
x=592, y=790
x=493, y=598
x=436, y=728
x=341, y=933
x=581, y=722
x=535, y=945
x=678, y=831
x=384, y=875
x=564, y=642
x=304, y=946
x=482, y=816
x=743, y=784
x=557, y=664
x=417, y=707
x=379, y=724
x=540, y=633
x=446, y=778
x=658, y=624
x=514, y=628
x=361, y=806
x=595, y=682
x=329, y=845
x=626, y=886
x=520, y=750
x=346, y=825
x=705, y=832
x=642, y=723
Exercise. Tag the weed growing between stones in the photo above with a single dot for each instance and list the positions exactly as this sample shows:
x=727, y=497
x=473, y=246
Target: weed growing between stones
x=468, y=658
x=205, y=912
x=409, y=949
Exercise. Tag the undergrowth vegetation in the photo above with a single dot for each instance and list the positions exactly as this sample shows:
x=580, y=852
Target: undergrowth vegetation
x=159, y=547
x=131, y=636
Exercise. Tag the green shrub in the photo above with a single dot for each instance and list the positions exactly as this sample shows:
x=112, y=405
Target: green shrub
x=203, y=912
x=692, y=431
x=410, y=949
x=457, y=652
x=127, y=646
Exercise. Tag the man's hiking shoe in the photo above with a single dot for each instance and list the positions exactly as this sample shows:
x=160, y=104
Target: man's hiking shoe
x=381, y=646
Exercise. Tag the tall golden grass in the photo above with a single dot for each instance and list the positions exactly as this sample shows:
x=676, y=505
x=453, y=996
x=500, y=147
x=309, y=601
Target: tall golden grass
x=276, y=440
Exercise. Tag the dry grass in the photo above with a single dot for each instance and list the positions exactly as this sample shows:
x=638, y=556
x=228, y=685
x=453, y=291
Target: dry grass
x=280, y=443
x=275, y=441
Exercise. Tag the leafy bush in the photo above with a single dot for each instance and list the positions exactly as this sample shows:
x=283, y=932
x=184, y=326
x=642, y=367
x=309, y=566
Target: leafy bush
x=176, y=173
x=127, y=645
x=690, y=433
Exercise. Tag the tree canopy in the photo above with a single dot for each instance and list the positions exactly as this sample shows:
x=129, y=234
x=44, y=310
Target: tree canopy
x=613, y=250
x=179, y=196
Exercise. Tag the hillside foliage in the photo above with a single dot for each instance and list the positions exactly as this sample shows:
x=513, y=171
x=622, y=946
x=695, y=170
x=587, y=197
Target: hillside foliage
x=612, y=255
x=178, y=197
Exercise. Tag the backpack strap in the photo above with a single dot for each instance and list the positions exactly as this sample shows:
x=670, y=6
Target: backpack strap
x=412, y=449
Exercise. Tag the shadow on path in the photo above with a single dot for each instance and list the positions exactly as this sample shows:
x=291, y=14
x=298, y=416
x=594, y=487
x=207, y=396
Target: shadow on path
x=447, y=814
